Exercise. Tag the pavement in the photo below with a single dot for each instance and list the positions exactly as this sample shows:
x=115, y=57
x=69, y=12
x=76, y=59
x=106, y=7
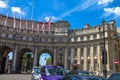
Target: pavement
x=15, y=76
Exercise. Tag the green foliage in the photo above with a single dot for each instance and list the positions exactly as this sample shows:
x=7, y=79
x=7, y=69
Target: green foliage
x=49, y=60
x=28, y=60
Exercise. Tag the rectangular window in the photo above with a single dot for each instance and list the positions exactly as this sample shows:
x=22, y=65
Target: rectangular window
x=81, y=38
x=81, y=51
x=95, y=37
x=89, y=65
x=88, y=51
x=52, y=39
x=81, y=66
x=46, y=39
x=69, y=52
x=95, y=51
x=95, y=65
x=60, y=39
x=88, y=37
x=60, y=49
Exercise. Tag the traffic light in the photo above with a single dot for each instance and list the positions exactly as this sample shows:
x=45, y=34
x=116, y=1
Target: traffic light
x=104, y=57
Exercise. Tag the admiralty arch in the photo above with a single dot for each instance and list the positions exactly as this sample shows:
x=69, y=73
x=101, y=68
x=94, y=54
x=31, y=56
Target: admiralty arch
x=80, y=48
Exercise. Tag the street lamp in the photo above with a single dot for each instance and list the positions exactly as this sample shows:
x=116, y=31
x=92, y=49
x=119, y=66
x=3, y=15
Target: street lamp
x=104, y=53
x=74, y=64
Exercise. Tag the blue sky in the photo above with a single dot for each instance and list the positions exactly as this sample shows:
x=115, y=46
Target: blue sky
x=42, y=58
x=76, y=12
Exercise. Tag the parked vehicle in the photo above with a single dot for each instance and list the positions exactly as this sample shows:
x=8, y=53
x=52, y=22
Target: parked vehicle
x=100, y=78
x=52, y=72
x=66, y=71
x=114, y=76
x=82, y=77
x=36, y=73
x=81, y=72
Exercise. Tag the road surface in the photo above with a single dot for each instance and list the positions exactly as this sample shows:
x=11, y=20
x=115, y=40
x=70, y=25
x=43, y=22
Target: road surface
x=15, y=76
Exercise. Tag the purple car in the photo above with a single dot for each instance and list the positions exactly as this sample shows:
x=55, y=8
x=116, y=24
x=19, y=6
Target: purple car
x=52, y=72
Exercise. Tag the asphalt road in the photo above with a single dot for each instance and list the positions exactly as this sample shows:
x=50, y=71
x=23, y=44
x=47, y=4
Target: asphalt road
x=15, y=76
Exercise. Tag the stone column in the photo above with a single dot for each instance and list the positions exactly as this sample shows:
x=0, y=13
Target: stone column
x=72, y=58
x=54, y=61
x=92, y=58
x=99, y=58
x=66, y=56
x=14, y=59
x=78, y=57
x=85, y=58
x=108, y=65
x=35, y=57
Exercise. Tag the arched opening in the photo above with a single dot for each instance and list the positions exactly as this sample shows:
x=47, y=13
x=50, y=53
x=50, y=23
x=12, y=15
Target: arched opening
x=5, y=59
x=24, y=62
x=27, y=62
x=9, y=62
x=45, y=59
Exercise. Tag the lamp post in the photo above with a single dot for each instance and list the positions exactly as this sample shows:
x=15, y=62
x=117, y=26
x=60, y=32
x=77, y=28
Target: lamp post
x=104, y=53
x=75, y=64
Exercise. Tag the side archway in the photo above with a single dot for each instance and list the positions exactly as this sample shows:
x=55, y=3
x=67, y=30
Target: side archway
x=4, y=59
x=24, y=61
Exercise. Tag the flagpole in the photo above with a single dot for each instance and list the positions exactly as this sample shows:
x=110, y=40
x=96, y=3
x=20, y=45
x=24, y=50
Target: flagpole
x=32, y=26
x=20, y=21
x=32, y=14
x=14, y=20
x=38, y=27
x=49, y=24
x=6, y=18
x=43, y=27
x=26, y=25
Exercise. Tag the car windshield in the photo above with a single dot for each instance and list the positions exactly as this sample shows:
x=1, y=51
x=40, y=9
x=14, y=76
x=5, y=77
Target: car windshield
x=85, y=73
x=81, y=73
x=115, y=77
x=54, y=71
x=36, y=70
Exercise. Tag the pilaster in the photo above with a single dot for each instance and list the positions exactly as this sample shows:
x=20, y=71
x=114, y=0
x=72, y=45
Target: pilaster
x=72, y=58
x=14, y=59
x=66, y=55
x=54, y=62
x=92, y=58
x=99, y=58
x=35, y=57
x=85, y=58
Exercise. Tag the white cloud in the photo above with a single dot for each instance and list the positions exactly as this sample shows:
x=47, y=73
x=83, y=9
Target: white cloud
x=17, y=10
x=104, y=2
x=52, y=18
x=47, y=18
x=112, y=11
x=80, y=7
x=3, y=4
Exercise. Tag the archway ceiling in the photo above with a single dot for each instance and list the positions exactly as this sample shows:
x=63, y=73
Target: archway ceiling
x=22, y=51
x=4, y=50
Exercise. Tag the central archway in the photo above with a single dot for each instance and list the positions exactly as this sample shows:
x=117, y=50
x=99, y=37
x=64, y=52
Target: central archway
x=45, y=59
x=49, y=55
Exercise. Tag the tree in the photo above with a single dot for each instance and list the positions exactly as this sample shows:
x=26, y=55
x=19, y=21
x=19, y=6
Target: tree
x=48, y=62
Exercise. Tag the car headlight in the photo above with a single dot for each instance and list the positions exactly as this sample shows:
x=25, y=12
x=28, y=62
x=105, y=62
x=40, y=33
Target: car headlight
x=36, y=77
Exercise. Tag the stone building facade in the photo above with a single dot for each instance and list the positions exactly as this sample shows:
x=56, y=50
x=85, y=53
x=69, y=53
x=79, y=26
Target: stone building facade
x=73, y=48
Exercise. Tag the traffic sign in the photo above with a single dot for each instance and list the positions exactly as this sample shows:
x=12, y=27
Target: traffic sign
x=116, y=62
